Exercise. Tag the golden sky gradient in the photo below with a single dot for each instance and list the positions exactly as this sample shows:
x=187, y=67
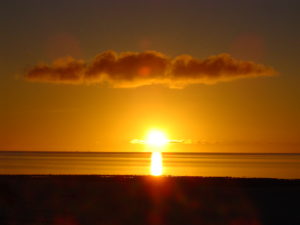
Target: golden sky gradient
x=86, y=98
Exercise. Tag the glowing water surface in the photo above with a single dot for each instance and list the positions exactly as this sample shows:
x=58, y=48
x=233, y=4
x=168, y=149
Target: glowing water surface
x=156, y=164
x=129, y=163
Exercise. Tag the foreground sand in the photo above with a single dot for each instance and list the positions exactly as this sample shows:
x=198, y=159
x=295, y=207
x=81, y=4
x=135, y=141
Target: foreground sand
x=142, y=200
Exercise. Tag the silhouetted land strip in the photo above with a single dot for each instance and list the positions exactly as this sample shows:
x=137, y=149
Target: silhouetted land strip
x=142, y=200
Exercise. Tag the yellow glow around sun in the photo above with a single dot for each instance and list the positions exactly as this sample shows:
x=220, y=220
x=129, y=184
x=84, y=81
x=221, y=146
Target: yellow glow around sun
x=156, y=138
x=156, y=164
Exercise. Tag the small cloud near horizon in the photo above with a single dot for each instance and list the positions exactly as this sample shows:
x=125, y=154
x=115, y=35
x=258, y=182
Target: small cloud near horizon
x=179, y=141
x=134, y=69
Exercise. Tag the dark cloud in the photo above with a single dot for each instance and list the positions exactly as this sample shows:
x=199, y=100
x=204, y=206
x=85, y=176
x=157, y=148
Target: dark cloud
x=131, y=69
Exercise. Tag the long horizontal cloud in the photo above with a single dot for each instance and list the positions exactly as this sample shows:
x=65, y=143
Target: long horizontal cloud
x=132, y=69
x=179, y=141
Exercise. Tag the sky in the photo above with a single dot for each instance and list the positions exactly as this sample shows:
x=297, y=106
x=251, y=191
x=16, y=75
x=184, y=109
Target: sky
x=93, y=75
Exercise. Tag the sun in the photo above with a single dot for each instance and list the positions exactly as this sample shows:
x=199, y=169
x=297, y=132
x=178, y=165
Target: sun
x=156, y=138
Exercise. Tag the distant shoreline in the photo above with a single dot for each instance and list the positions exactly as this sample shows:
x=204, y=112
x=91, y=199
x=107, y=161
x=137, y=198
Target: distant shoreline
x=149, y=152
x=112, y=176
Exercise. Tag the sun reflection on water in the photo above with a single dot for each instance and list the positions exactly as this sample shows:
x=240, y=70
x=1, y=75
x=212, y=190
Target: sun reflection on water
x=156, y=164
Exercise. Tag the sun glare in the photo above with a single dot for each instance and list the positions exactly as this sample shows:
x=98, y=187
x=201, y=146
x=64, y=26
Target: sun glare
x=156, y=164
x=156, y=138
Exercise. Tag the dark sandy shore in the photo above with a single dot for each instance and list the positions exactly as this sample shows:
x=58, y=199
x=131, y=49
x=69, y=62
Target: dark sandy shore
x=142, y=200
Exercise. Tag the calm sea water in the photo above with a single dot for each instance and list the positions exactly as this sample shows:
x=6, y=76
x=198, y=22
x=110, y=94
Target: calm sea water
x=175, y=164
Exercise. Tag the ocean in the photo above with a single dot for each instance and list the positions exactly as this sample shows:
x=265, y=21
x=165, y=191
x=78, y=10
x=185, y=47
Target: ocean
x=285, y=166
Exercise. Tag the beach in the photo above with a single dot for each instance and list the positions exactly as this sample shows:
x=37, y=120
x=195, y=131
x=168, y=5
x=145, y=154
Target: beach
x=92, y=199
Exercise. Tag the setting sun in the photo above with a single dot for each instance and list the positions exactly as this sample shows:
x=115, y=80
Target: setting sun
x=156, y=138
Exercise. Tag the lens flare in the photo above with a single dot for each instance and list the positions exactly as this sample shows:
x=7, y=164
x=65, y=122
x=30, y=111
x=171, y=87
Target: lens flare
x=156, y=164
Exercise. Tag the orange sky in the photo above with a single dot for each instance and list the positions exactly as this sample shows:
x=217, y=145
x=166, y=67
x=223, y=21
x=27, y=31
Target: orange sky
x=258, y=114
